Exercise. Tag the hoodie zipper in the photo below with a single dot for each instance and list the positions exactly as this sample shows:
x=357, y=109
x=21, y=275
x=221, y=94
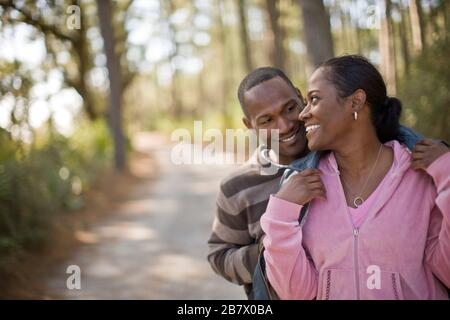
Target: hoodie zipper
x=355, y=232
x=355, y=259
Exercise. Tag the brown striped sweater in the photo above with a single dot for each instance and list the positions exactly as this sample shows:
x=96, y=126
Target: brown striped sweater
x=236, y=232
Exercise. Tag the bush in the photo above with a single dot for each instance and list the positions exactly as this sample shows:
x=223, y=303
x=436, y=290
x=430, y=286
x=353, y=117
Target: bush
x=425, y=92
x=37, y=183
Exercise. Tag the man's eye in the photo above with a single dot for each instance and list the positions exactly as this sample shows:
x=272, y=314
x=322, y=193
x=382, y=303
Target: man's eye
x=266, y=121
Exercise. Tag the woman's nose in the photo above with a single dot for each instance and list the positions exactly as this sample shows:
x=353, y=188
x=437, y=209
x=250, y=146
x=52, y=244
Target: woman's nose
x=304, y=114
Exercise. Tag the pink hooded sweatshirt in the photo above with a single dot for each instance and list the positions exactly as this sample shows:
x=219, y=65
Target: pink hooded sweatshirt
x=400, y=251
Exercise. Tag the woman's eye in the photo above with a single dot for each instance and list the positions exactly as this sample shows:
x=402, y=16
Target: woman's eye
x=314, y=99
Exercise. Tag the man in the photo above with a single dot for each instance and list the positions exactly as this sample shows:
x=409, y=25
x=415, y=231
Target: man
x=269, y=100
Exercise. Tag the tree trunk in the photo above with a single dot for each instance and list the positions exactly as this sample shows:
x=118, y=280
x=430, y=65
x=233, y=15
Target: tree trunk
x=278, y=53
x=345, y=36
x=225, y=71
x=446, y=16
x=115, y=85
x=246, y=50
x=403, y=32
x=82, y=52
x=316, y=25
x=167, y=9
x=387, y=49
x=417, y=25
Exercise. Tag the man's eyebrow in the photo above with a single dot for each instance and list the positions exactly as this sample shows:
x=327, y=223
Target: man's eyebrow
x=288, y=103
x=262, y=116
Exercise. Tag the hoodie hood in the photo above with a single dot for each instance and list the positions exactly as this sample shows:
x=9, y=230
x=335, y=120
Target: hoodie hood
x=401, y=162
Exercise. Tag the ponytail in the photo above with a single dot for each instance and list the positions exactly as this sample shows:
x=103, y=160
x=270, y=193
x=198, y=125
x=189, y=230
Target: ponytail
x=386, y=119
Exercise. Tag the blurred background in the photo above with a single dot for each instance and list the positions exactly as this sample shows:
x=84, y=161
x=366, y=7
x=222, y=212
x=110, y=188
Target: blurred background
x=91, y=90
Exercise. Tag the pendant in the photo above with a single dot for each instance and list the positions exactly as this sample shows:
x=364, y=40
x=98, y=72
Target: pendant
x=358, y=201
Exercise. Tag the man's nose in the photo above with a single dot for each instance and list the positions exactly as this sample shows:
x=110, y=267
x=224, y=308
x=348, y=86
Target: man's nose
x=285, y=125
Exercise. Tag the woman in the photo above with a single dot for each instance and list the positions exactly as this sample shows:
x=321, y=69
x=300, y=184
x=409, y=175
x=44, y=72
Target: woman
x=376, y=228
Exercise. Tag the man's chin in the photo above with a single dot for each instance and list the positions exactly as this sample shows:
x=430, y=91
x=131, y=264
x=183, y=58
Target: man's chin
x=294, y=151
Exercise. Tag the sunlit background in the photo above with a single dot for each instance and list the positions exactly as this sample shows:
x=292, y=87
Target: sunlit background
x=174, y=62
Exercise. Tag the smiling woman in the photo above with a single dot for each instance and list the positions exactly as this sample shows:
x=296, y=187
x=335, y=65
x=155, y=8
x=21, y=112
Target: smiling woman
x=358, y=200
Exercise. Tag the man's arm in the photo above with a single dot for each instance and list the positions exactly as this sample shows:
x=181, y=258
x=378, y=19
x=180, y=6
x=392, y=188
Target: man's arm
x=233, y=253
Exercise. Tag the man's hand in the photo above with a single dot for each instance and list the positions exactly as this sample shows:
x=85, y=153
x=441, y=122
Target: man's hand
x=425, y=152
x=302, y=187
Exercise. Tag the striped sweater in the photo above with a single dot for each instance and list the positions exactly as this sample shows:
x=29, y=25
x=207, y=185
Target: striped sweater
x=236, y=231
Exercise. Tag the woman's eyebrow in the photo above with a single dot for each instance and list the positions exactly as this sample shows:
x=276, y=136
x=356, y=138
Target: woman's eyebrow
x=311, y=92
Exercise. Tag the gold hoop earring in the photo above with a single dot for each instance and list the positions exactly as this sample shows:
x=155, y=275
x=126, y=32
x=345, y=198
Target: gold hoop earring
x=355, y=115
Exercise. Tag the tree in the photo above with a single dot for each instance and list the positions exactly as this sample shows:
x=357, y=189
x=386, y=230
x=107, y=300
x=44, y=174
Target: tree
x=317, y=31
x=387, y=49
x=75, y=40
x=243, y=32
x=224, y=54
x=278, y=52
x=403, y=34
x=115, y=82
x=417, y=24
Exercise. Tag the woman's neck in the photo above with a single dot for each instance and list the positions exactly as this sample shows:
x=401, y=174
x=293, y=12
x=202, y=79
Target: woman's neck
x=357, y=156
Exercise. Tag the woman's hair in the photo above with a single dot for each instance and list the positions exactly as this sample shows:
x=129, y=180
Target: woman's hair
x=351, y=72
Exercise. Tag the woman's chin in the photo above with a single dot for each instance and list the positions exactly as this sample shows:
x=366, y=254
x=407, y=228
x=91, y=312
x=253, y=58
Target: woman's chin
x=314, y=145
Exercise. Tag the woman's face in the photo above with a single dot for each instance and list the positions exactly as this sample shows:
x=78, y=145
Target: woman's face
x=327, y=119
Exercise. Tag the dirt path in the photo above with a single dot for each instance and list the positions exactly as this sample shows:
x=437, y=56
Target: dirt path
x=154, y=245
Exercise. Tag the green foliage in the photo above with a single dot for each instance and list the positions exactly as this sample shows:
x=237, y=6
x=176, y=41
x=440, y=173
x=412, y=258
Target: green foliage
x=425, y=92
x=38, y=183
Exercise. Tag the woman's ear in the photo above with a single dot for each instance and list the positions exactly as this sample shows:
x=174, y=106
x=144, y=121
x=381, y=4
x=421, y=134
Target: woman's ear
x=358, y=100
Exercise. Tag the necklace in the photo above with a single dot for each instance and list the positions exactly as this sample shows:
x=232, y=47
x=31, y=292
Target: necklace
x=359, y=200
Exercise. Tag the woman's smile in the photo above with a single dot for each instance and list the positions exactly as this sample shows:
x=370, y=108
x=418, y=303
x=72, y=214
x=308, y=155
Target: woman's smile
x=310, y=129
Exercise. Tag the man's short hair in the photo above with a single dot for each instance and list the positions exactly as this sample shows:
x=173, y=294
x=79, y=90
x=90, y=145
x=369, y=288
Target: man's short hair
x=258, y=76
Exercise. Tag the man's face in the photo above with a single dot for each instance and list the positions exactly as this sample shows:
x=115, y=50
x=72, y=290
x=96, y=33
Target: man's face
x=274, y=104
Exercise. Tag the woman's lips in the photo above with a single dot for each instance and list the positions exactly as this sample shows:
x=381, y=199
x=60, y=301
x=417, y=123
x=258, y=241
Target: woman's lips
x=310, y=129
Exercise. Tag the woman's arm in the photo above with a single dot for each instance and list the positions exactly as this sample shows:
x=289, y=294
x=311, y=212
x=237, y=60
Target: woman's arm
x=290, y=272
x=438, y=244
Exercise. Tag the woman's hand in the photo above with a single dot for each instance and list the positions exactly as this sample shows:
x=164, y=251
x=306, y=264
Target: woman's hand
x=302, y=187
x=425, y=152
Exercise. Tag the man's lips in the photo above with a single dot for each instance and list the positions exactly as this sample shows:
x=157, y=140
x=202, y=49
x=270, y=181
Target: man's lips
x=291, y=137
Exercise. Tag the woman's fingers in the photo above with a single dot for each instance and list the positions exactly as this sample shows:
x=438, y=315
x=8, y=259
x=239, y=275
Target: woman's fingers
x=319, y=193
x=313, y=178
x=317, y=185
x=418, y=164
x=310, y=172
x=426, y=142
x=418, y=155
x=420, y=148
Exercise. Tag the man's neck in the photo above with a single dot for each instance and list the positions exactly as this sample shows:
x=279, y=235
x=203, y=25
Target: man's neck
x=289, y=159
